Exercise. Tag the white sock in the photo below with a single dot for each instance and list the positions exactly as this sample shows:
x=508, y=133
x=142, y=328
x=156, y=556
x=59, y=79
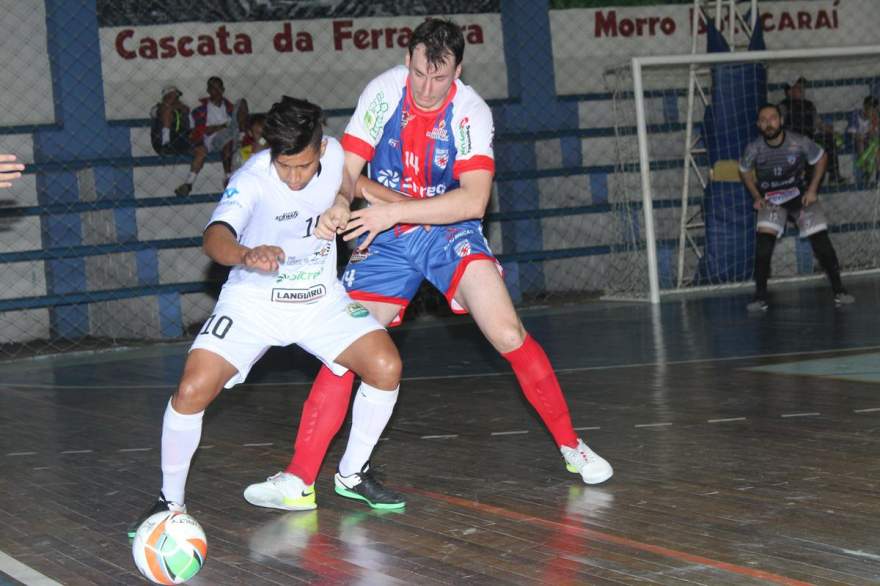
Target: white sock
x=180, y=438
x=192, y=177
x=369, y=416
x=166, y=135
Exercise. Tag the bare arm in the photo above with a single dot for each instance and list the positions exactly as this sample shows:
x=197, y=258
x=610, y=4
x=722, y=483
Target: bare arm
x=220, y=244
x=468, y=202
x=748, y=179
x=812, y=193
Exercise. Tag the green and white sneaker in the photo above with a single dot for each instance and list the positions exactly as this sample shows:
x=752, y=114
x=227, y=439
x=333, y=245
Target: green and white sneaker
x=363, y=486
x=592, y=467
x=282, y=491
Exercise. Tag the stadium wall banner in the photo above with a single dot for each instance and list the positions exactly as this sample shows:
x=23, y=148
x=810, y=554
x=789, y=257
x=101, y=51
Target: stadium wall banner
x=610, y=36
x=327, y=61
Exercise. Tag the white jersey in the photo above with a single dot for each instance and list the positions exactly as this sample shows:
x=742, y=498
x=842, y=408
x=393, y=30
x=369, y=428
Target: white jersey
x=261, y=209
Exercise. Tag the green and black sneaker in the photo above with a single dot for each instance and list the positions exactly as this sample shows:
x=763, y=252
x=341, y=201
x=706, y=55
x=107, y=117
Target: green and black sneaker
x=363, y=486
x=159, y=506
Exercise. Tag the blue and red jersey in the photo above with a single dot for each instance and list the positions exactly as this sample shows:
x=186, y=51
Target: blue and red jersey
x=420, y=154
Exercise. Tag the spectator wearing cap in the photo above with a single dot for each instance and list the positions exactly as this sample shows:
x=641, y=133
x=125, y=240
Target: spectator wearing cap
x=217, y=126
x=169, y=131
x=800, y=115
x=864, y=126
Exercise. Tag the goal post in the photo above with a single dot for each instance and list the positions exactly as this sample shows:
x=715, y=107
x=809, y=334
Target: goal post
x=671, y=245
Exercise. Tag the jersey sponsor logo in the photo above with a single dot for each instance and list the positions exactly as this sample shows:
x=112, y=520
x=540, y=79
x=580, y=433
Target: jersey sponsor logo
x=355, y=309
x=299, y=295
x=359, y=256
x=374, y=118
x=783, y=195
x=230, y=192
x=464, y=136
x=438, y=132
x=286, y=216
x=462, y=248
x=441, y=157
x=421, y=191
x=792, y=159
x=389, y=178
x=322, y=252
x=299, y=276
x=393, y=143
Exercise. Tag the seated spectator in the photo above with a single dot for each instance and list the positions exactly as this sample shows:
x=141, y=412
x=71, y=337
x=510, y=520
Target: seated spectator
x=800, y=115
x=216, y=122
x=169, y=131
x=253, y=141
x=864, y=126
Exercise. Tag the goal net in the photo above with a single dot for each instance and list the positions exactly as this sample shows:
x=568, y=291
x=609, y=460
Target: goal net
x=685, y=221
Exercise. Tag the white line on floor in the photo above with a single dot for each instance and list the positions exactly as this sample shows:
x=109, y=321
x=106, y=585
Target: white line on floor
x=871, y=410
x=259, y=445
x=587, y=428
x=24, y=574
x=812, y=414
x=726, y=420
x=652, y=424
x=134, y=449
x=509, y=432
x=77, y=451
x=447, y=436
x=21, y=454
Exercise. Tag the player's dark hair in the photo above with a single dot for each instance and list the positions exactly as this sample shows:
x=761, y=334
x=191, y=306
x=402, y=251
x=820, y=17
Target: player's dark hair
x=769, y=105
x=215, y=78
x=293, y=125
x=439, y=38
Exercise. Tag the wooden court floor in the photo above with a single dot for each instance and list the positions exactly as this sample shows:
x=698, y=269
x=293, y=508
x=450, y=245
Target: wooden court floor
x=746, y=451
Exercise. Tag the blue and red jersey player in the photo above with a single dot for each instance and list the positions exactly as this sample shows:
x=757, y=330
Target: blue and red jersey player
x=428, y=140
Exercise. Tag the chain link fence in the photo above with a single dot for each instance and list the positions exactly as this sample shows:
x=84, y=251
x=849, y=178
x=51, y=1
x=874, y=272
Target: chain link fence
x=101, y=246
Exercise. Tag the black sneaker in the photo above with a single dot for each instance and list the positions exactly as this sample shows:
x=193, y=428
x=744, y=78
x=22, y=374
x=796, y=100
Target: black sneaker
x=758, y=304
x=183, y=190
x=363, y=486
x=159, y=506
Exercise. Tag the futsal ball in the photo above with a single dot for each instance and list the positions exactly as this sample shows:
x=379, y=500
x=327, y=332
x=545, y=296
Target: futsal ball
x=169, y=548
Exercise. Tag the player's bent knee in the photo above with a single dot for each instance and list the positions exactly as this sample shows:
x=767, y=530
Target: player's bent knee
x=384, y=371
x=193, y=395
x=508, y=338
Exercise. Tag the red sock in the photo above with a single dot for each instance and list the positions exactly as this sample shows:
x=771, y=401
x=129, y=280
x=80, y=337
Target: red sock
x=538, y=383
x=322, y=416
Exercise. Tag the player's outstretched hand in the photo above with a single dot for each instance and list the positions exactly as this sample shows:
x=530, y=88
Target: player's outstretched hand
x=333, y=221
x=9, y=170
x=370, y=221
x=264, y=258
x=373, y=199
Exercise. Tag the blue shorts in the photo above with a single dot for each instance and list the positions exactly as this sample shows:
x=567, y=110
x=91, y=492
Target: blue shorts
x=393, y=267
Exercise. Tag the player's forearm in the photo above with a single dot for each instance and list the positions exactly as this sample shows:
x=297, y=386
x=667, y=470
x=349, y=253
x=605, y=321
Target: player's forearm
x=818, y=173
x=222, y=247
x=454, y=206
x=378, y=190
x=751, y=185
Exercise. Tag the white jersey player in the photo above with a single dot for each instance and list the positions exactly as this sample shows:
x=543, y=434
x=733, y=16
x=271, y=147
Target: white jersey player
x=282, y=289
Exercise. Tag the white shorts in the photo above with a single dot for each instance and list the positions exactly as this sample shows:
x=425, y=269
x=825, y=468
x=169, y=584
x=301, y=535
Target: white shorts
x=810, y=220
x=244, y=325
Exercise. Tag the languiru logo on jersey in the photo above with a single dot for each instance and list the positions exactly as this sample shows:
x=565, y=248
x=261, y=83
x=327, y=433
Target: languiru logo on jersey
x=389, y=178
x=299, y=295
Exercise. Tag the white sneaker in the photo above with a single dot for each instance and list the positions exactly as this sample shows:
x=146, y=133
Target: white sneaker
x=282, y=491
x=582, y=460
